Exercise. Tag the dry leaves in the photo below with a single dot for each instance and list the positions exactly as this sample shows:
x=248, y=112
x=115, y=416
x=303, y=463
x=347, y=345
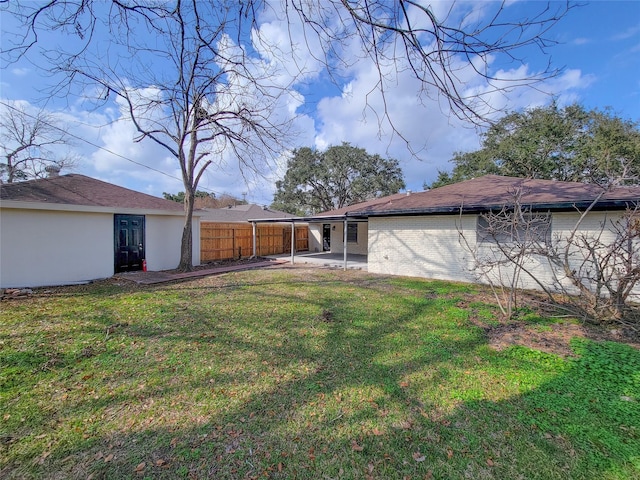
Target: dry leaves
x=41, y=459
x=355, y=447
x=418, y=457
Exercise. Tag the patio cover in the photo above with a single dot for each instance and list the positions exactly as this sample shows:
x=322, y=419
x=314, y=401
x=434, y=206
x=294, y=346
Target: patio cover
x=344, y=218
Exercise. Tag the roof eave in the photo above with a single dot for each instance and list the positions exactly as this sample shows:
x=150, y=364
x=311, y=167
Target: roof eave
x=450, y=209
x=63, y=207
x=309, y=219
x=554, y=206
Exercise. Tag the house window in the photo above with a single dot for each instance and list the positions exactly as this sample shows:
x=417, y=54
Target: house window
x=352, y=233
x=505, y=227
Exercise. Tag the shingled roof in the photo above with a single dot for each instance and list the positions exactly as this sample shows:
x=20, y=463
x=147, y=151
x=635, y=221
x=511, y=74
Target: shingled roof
x=493, y=192
x=79, y=190
x=241, y=213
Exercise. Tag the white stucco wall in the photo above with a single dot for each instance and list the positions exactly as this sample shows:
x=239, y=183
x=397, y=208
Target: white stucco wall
x=163, y=238
x=40, y=247
x=51, y=247
x=337, y=239
x=315, y=237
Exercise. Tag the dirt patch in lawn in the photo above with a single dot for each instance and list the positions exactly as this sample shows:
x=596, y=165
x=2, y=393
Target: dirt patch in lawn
x=550, y=337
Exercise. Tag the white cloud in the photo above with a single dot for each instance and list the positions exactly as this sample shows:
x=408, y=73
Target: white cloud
x=626, y=34
x=352, y=113
x=425, y=123
x=581, y=41
x=20, y=72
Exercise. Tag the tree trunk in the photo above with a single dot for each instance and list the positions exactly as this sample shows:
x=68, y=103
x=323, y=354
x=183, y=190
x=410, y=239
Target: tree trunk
x=186, y=247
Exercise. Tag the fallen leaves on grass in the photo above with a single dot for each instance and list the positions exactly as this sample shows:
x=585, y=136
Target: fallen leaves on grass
x=355, y=447
x=43, y=457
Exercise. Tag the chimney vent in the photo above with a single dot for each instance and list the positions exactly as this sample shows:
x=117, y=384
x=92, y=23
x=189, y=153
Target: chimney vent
x=52, y=171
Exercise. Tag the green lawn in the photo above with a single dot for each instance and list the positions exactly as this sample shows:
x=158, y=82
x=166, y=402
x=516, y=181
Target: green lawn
x=296, y=373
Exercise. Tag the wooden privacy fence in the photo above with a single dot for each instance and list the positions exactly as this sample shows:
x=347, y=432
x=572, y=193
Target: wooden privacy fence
x=224, y=241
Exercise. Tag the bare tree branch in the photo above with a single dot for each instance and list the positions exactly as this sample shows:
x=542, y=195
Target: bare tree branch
x=595, y=272
x=30, y=143
x=407, y=35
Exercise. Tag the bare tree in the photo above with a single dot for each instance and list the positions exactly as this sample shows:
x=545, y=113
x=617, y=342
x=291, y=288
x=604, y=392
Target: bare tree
x=592, y=273
x=31, y=144
x=507, y=247
x=435, y=42
x=180, y=78
x=603, y=267
x=190, y=79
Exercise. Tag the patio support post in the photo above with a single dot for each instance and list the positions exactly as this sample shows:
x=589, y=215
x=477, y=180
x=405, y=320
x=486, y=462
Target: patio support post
x=344, y=242
x=255, y=239
x=293, y=240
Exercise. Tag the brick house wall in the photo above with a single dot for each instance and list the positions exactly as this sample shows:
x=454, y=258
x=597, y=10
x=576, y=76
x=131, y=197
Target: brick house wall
x=430, y=247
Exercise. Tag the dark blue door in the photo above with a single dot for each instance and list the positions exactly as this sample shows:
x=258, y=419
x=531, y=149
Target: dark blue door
x=129, y=242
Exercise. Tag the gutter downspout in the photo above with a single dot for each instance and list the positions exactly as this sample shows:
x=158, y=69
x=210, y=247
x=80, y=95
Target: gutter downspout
x=344, y=243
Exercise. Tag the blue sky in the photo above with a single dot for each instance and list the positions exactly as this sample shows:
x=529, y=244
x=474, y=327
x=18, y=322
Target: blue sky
x=598, y=47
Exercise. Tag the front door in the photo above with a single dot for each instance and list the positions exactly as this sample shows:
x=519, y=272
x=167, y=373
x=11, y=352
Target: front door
x=129, y=242
x=326, y=237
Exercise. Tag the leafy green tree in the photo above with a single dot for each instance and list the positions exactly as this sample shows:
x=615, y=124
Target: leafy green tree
x=340, y=176
x=179, y=197
x=568, y=144
x=206, y=200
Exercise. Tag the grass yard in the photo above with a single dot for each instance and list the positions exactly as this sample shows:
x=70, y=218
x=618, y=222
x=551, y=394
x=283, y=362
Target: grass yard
x=301, y=373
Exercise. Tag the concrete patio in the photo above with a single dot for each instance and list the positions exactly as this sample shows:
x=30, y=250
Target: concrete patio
x=327, y=259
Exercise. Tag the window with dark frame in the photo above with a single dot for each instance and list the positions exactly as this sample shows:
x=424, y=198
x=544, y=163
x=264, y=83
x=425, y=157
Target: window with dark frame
x=352, y=233
x=502, y=228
